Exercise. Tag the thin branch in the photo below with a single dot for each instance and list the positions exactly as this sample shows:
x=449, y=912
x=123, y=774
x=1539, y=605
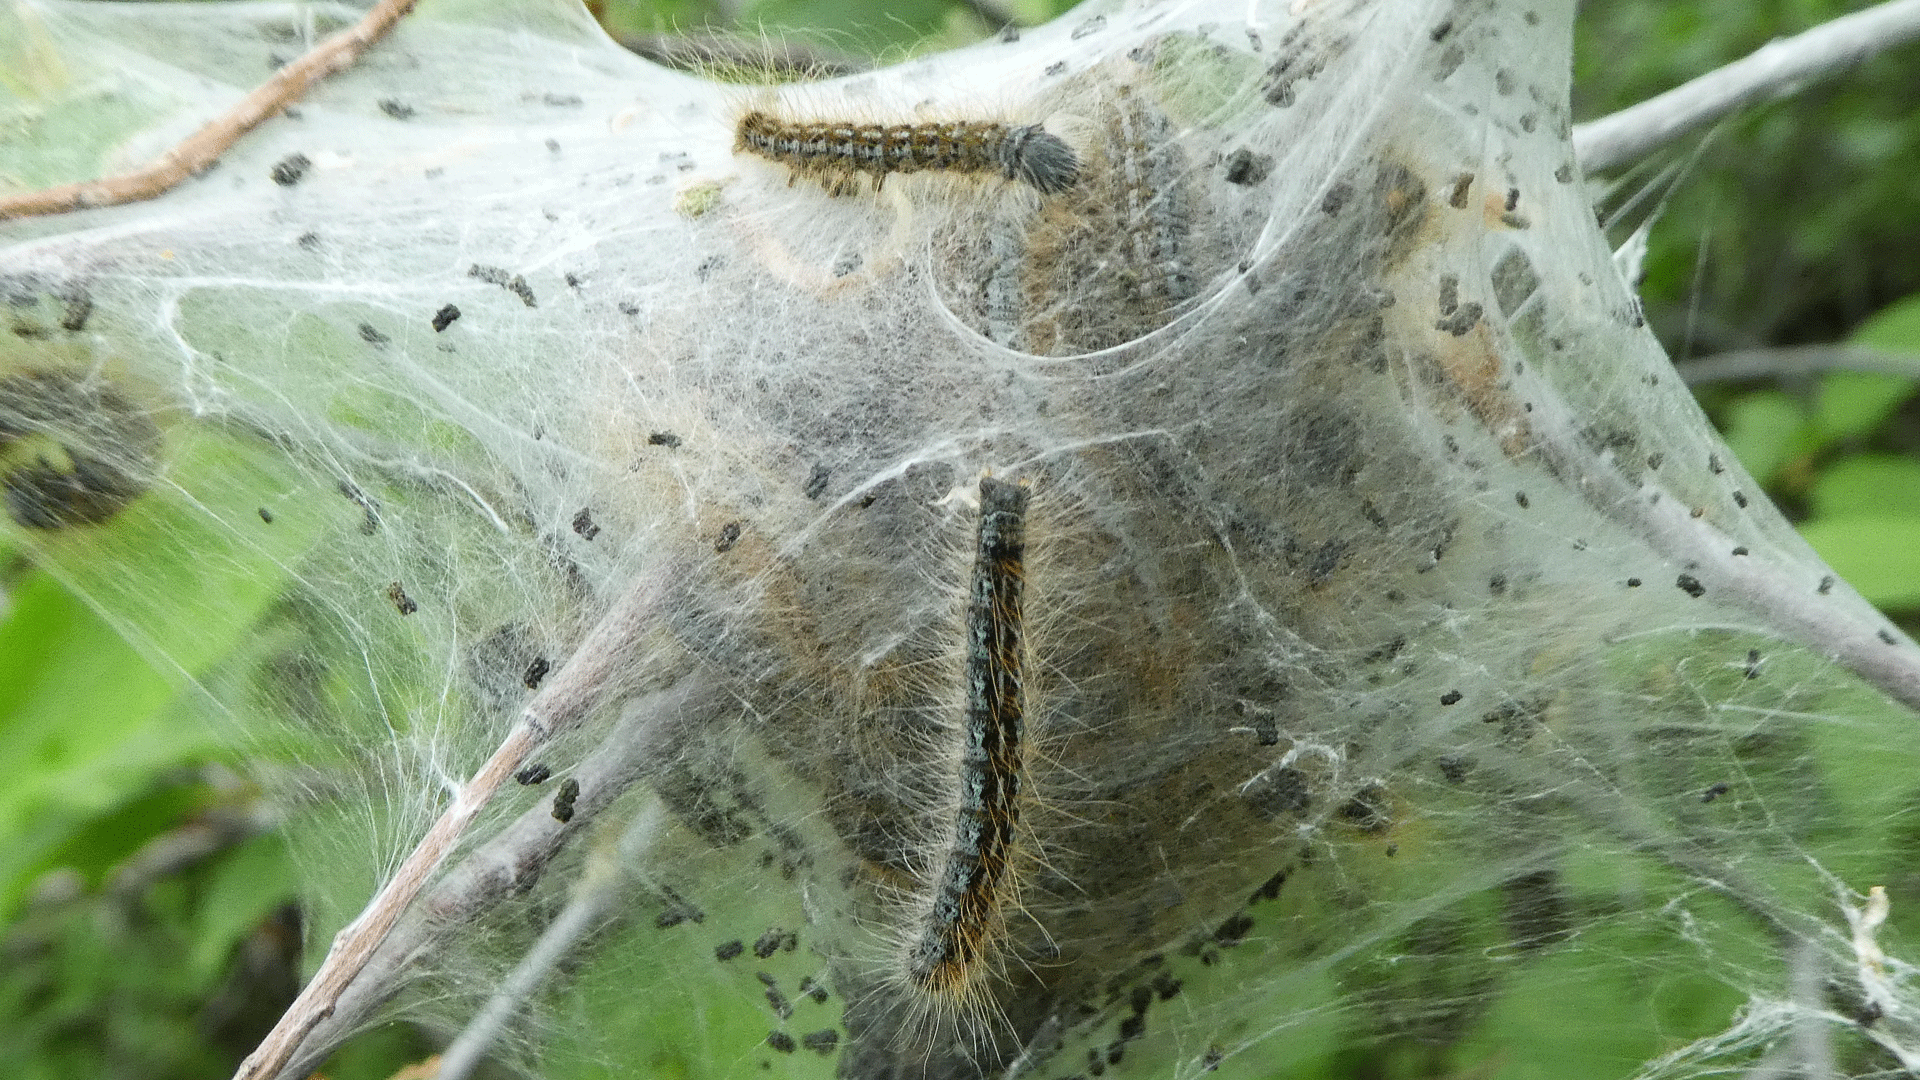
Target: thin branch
x=594, y=669
x=1776, y=69
x=194, y=154
x=1828, y=617
x=1794, y=362
x=596, y=894
x=514, y=859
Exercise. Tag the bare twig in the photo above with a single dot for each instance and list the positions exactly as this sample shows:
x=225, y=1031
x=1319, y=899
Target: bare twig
x=594, y=669
x=201, y=149
x=513, y=860
x=594, y=896
x=1776, y=69
x=1795, y=361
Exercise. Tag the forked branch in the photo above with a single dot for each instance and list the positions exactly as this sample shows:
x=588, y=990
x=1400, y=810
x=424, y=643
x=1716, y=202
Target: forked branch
x=595, y=668
x=514, y=858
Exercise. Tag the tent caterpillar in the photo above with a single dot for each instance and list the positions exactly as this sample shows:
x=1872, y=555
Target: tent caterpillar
x=835, y=152
x=969, y=889
x=1109, y=262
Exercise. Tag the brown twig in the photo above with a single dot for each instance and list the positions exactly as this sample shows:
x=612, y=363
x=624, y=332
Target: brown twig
x=594, y=669
x=511, y=861
x=194, y=154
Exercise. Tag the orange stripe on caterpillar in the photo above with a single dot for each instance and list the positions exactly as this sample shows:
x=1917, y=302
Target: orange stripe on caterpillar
x=969, y=890
x=835, y=152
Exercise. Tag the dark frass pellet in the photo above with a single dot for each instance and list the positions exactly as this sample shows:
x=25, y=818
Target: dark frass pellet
x=583, y=524
x=817, y=482
x=288, y=170
x=1245, y=167
x=822, y=1042
x=563, y=800
x=535, y=773
x=402, y=603
x=78, y=310
x=775, y=940
x=445, y=317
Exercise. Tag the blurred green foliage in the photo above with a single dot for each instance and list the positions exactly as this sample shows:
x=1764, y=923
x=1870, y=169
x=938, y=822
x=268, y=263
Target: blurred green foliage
x=1796, y=221
x=130, y=951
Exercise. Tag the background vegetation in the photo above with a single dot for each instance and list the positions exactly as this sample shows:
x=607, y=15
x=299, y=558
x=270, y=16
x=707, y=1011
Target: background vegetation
x=147, y=925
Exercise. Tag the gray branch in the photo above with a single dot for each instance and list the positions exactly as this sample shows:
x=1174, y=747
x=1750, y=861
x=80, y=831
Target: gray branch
x=512, y=861
x=1776, y=69
x=1795, y=362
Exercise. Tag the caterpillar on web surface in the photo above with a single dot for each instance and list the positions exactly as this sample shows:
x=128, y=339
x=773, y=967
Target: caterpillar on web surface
x=965, y=910
x=835, y=152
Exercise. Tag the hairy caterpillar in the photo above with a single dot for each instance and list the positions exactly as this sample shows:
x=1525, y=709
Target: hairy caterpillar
x=835, y=152
x=968, y=896
x=1112, y=260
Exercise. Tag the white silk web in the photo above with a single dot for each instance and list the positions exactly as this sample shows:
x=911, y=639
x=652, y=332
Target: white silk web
x=1414, y=686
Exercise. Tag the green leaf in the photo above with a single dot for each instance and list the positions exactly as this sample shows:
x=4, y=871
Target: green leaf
x=1851, y=404
x=86, y=723
x=1763, y=429
x=83, y=727
x=1895, y=327
x=243, y=890
x=1878, y=554
x=1868, y=484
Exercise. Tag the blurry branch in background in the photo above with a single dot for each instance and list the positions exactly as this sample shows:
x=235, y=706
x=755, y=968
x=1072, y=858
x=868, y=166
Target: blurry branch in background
x=197, y=152
x=1796, y=361
x=1776, y=69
